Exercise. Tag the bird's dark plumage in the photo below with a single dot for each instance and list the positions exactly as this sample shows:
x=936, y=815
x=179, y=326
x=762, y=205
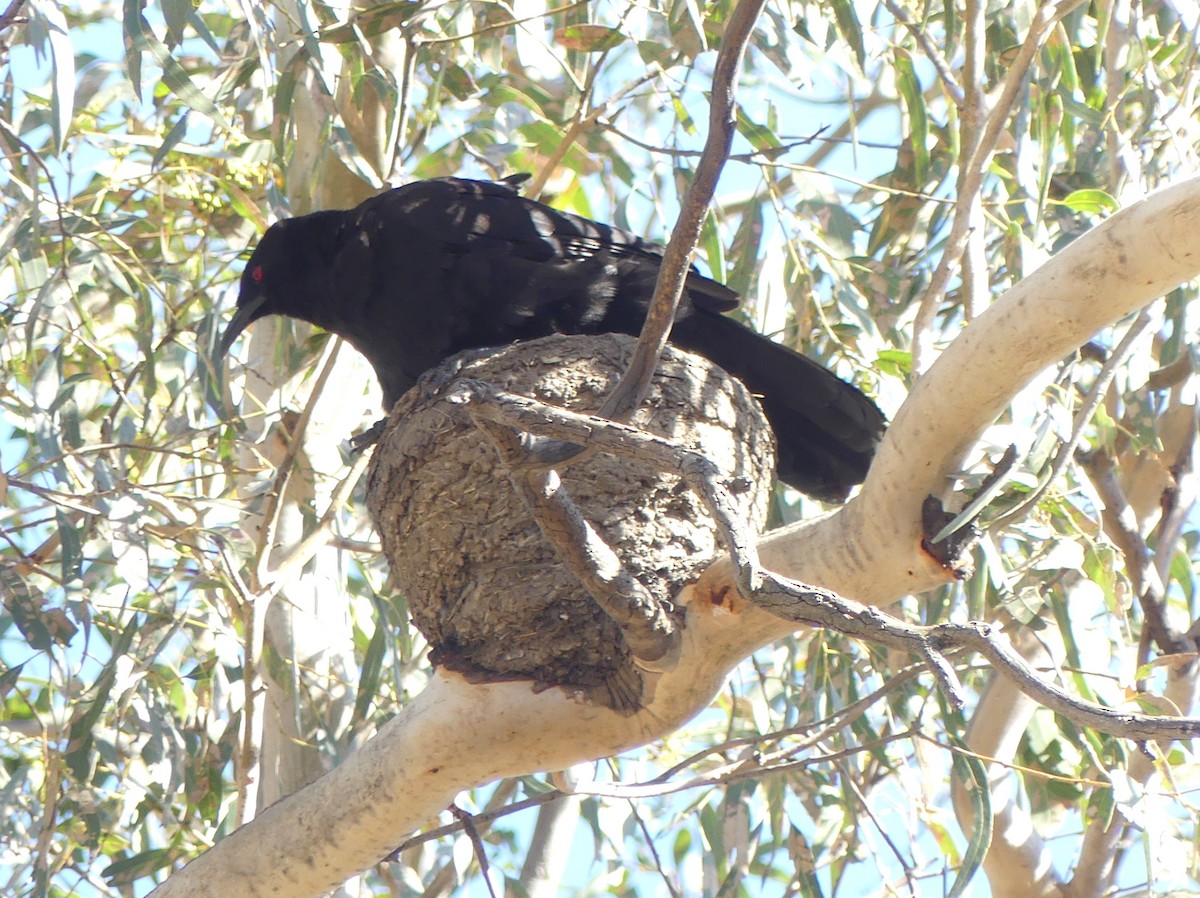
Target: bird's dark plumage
x=421, y=272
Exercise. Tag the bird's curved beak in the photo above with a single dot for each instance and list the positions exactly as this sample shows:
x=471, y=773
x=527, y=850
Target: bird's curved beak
x=244, y=315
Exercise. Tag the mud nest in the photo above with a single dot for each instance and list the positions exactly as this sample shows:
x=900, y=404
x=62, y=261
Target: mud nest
x=482, y=583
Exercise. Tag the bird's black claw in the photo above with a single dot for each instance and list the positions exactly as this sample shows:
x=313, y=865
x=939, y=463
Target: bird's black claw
x=362, y=441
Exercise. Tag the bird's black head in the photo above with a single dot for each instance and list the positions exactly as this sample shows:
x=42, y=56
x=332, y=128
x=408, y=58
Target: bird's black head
x=286, y=274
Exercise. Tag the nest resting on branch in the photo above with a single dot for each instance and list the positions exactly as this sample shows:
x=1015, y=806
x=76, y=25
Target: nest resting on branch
x=483, y=583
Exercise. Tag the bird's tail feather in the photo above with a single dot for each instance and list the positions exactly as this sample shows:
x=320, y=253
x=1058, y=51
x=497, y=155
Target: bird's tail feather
x=827, y=430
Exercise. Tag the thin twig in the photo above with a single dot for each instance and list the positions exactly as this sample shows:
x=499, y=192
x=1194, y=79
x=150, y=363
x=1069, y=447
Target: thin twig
x=596, y=432
x=930, y=49
x=1083, y=417
x=1121, y=527
x=500, y=26
x=246, y=765
x=582, y=121
x=323, y=533
x=755, y=156
x=972, y=119
x=468, y=824
x=652, y=636
x=11, y=16
x=631, y=390
x=972, y=172
x=1179, y=502
x=750, y=767
x=275, y=503
x=810, y=605
x=403, y=108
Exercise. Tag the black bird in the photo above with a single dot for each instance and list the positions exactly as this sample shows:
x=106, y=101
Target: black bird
x=418, y=273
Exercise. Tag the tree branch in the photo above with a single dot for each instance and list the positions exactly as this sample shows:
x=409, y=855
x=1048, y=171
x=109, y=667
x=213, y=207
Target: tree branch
x=1131, y=259
x=677, y=257
x=806, y=604
x=650, y=632
x=11, y=16
x=972, y=170
x=596, y=432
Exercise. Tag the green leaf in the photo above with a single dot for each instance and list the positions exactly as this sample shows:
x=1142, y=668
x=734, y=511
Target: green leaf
x=131, y=24
x=800, y=26
x=686, y=24
x=369, y=678
x=86, y=713
x=177, y=13
x=459, y=82
x=683, y=116
x=918, y=119
x=972, y=773
x=176, y=134
x=655, y=53
x=759, y=136
x=1099, y=807
x=1092, y=201
x=371, y=21
x=62, y=59
x=41, y=626
x=746, y=247
x=134, y=867
x=898, y=361
x=72, y=548
x=9, y=679
x=532, y=97
x=139, y=38
x=347, y=151
x=587, y=38
x=848, y=26
x=201, y=29
x=1182, y=573
x=803, y=864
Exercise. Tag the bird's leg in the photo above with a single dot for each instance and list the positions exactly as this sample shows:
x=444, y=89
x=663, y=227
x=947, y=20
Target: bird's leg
x=361, y=442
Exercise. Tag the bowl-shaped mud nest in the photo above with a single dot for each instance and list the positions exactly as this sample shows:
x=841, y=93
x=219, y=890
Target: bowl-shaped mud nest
x=481, y=581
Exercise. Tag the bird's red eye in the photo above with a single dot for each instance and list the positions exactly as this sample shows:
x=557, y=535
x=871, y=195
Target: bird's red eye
x=256, y=274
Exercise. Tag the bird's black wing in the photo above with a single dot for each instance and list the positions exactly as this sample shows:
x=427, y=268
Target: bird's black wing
x=492, y=219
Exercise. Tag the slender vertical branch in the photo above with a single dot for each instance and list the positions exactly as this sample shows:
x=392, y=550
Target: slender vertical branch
x=972, y=116
x=722, y=122
x=971, y=174
x=11, y=15
x=275, y=503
